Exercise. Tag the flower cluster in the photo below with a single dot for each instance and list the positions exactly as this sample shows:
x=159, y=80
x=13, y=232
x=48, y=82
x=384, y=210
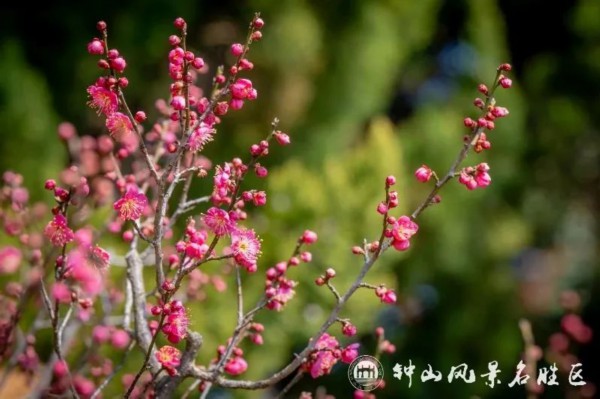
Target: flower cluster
x=235, y=365
x=326, y=353
x=194, y=246
x=474, y=177
x=386, y=295
x=58, y=232
x=402, y=230
x=104, y=93
x=241, y=90
x=176, y=320
x=278, y=288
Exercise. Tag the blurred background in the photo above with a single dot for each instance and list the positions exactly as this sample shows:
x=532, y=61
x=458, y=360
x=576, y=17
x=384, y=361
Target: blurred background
x=367, y=89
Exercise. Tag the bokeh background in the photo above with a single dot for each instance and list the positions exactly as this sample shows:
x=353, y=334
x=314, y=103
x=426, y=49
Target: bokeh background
x=366, y=89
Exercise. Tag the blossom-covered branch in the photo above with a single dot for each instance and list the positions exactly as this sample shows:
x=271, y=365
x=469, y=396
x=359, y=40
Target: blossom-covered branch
x=148, y=176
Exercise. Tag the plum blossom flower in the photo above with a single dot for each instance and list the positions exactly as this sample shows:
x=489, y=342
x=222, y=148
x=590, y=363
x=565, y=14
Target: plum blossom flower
x=119, y=125
x=467, y=180
x=103, y=100
x=241, y=90
x=200, y=137
x=60, y=369
x=246, y=248
x=131, y=205
x=218, y=221
x=168, y=356
x=402, y=231
x=58, y=232
x=95, y=47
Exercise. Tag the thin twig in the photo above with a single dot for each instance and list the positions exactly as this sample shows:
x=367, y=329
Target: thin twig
x=334, y=291
x=138, y=129
x=290, y=384
x=62, y=326
x=190, y=389
x=138, y=230
x=136, y=126
x=476, y=132
x=57, y=331
x=46, y=299
x=186, y=207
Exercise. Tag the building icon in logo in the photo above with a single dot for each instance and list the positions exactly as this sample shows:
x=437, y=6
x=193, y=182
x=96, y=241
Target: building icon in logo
x=365, y=373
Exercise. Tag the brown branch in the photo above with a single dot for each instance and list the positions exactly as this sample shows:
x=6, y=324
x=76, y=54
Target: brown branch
x=290, y=384
x=336, y=294
x=142, y=333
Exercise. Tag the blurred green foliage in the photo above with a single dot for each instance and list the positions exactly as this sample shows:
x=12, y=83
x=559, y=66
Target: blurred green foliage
x=367, y=89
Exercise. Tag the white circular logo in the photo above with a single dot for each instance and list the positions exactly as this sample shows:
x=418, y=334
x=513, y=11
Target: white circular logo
x=365, y=373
